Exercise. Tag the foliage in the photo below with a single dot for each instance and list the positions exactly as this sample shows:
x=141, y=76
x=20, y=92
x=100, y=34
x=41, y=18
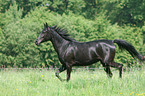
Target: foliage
x=22, y=22
x=126, y=12
x=4, y=5
x=13, y=14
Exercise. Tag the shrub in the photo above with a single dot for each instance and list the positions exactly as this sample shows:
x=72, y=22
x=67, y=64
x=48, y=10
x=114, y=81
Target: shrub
x=18, y=35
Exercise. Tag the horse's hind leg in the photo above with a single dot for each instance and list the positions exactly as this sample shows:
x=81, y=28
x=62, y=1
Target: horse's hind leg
x=69, y=69
x=118, y=66
x=61, y=69
x=108, y=71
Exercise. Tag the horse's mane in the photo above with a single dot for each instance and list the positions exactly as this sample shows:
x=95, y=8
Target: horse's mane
x=62, y=33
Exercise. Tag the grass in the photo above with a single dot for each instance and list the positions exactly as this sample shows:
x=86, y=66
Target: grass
x=82, y=83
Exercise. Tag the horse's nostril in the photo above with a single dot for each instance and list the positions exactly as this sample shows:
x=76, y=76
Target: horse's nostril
x=36, y=42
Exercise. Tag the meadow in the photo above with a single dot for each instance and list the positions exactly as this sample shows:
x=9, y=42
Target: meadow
x=83, y=83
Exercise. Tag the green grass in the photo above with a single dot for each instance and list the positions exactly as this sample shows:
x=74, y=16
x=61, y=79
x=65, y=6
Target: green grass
x=82, y=83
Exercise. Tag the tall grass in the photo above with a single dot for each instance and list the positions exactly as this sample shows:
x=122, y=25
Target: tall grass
x=82, y=83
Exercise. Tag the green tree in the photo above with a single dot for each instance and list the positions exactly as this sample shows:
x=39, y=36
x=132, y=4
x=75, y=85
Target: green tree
x=18, y=32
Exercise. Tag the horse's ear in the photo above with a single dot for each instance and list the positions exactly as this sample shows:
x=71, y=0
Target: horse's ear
x=46, y=25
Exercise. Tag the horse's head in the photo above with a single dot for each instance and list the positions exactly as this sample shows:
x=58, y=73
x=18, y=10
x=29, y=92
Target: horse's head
x=44, y=35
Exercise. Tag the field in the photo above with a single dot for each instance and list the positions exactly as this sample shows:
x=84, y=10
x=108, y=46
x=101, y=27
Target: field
x=83, y=83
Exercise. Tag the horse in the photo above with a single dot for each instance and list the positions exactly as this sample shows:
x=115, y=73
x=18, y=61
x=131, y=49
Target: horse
x=73, y=53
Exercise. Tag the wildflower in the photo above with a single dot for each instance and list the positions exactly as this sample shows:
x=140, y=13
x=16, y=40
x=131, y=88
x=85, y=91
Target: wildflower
x=131, y=93
x=30, y=81
x=16, y=89
x=120, y=93
x=141, y=94
x=42, y=75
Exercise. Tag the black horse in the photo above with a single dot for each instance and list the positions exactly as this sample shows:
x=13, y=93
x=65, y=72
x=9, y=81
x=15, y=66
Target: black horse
x=73, y=53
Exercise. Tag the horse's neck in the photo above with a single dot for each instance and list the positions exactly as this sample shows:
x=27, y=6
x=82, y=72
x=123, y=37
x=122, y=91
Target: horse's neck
x=58, y=42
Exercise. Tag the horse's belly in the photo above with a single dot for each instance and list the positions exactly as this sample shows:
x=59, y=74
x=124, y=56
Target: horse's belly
x=85, y=62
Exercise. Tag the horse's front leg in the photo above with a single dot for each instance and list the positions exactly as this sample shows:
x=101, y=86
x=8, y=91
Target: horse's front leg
x=61, y=69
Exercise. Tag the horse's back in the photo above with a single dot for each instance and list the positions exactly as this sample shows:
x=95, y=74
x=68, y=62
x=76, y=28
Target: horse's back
x=87, y=53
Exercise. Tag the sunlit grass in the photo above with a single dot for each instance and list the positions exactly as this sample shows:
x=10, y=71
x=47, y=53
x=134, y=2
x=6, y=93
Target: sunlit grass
x=82, y=83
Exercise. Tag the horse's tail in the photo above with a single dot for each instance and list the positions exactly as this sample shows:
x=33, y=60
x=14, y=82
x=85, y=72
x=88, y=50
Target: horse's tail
x=124, y=45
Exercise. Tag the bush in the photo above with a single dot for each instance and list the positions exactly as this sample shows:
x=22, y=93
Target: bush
x=17, y=47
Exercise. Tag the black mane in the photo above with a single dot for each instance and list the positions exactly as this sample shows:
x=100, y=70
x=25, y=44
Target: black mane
x=62, y=33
